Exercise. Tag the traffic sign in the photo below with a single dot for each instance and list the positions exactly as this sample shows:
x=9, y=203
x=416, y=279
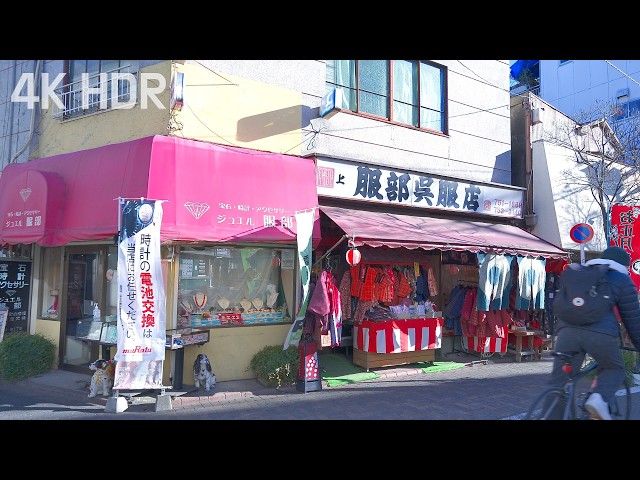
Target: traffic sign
x=581, y=233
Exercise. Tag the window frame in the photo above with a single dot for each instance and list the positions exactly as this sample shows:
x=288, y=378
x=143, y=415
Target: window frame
x=353, y=90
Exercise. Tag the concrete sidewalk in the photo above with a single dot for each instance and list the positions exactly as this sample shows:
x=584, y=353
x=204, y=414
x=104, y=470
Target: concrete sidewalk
x=68, y=391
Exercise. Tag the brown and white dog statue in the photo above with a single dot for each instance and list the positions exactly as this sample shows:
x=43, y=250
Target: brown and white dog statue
x=202, y=373
x=102, y=378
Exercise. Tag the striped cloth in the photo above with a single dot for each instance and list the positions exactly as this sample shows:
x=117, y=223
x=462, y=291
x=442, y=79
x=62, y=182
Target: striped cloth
x=485, y=344
x=395, y=336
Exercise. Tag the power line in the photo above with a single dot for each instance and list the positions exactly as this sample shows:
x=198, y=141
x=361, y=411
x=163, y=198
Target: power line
x=625, y=74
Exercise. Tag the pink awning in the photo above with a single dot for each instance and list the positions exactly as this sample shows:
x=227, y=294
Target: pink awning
x=378, y=229
x=213, y=193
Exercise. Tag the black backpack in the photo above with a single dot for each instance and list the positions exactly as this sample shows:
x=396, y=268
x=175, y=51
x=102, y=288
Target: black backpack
x=583, y=296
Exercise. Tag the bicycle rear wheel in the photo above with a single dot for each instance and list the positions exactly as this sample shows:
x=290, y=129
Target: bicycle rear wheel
x=549, y=405
x=621, y=402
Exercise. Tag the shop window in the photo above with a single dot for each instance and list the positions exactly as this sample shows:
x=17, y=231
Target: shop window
x=51, y=283
x=232, y=286
x=20, y=251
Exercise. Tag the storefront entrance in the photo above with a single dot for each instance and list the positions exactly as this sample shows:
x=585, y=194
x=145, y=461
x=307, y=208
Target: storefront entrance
x=86, y=281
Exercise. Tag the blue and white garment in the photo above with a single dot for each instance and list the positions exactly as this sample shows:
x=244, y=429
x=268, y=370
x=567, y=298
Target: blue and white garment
x=532, y=276
x=494, y=282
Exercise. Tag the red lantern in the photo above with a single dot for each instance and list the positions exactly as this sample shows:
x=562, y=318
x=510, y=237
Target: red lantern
x=353, y=256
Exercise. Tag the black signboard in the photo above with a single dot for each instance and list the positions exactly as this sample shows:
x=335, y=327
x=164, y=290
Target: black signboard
x=15, y=291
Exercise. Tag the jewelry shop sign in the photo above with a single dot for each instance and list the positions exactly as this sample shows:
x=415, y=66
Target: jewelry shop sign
x=379, y=185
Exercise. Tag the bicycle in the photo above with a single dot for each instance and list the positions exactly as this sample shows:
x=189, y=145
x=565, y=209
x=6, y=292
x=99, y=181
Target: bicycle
x=574, y=403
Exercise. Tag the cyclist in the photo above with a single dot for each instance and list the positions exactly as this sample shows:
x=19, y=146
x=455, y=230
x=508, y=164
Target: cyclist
x=601, y=340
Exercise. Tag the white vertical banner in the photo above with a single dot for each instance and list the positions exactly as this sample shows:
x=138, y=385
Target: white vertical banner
x=304, y=221
x=141, y=297
x=304, y=237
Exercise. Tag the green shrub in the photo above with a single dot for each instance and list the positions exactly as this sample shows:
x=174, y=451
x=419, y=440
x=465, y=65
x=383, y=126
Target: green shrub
x=275, y=367
x=630, y=364
x=23, y=355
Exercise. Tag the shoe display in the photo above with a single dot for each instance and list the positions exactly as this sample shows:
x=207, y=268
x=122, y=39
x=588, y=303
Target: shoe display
x=597, y=407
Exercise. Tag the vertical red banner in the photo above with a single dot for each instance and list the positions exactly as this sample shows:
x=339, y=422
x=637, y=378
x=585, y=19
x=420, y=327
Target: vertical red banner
x=625, y=233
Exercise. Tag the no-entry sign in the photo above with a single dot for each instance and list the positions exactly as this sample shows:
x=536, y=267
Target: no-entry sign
x=581, y=233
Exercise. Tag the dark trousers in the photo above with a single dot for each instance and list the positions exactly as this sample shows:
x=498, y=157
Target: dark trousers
x=605, y=349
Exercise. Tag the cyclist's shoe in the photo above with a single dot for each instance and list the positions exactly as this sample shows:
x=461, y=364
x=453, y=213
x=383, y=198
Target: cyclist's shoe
x=597, y=407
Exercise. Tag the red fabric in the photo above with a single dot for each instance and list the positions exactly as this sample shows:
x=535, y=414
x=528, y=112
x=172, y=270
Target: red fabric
x=404, y=288
x=384, y=289
x=212, y=192
x=623, y=221
x=382, y=336
x=356, y=283
x=367, y=292
x=413, y=231
x=486, y=344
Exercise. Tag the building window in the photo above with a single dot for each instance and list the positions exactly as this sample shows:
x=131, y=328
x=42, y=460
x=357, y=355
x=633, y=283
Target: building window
x=106, y=75
x=628, y=109
x=410, y=92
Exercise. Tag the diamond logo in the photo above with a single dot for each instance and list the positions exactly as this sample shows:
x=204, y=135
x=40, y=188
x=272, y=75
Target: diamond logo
x=24, y=193
x=197, y=209
x=11, y=293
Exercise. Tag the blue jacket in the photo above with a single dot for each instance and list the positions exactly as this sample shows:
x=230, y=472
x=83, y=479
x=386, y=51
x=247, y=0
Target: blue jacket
x=625, y=295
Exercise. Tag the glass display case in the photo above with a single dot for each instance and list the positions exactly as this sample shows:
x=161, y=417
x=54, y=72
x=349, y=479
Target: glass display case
x=235, y=286
x=101, y=331
x=183, y=337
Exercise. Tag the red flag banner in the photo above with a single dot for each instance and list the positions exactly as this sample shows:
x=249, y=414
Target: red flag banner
x=625, y=233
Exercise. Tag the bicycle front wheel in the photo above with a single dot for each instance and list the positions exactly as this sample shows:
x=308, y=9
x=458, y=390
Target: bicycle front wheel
x=549, y=405
x=621, y=403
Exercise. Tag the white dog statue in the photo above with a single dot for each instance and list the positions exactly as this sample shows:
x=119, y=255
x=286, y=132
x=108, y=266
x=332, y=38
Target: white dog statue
x=102, y=378
x=202, y=373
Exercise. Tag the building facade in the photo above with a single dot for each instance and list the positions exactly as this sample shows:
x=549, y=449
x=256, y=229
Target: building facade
x=426, y=139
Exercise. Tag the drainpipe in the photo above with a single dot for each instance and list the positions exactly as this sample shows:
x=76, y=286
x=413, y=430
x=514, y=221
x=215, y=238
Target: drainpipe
x=11, y=114
x=530, y=218
x=34, y=111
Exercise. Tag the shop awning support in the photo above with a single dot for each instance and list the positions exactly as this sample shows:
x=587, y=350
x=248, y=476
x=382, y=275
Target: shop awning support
x=344, y=237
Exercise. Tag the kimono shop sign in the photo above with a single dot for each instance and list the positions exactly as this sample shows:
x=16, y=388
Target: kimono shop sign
x=15, y=289
x=342, y=179
x=141, y=304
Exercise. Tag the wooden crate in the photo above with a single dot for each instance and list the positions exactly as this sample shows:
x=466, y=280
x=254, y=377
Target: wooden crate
x=375, y=360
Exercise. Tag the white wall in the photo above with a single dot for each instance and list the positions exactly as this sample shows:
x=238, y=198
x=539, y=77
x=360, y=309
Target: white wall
x=477, y=146
x=575, y=86
x=559, y=202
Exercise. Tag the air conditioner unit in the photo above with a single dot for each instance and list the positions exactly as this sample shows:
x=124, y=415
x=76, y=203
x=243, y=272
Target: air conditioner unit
x=537, y=115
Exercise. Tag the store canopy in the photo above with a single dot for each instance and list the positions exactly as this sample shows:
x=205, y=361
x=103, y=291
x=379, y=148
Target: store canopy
x=212, y=193
x=378, y=229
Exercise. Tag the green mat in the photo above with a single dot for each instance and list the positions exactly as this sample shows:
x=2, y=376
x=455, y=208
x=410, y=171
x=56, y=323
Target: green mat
x=431, y=367
x=337, y=370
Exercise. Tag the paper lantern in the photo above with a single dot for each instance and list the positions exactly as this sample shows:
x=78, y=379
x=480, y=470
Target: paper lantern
x=353, y=256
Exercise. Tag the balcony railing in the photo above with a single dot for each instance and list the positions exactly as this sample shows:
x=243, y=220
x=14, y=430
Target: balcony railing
x=102, y=90
x=520, y=89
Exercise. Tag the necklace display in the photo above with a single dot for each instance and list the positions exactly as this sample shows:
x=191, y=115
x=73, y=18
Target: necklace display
x=200, y=300
x=188, y=308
